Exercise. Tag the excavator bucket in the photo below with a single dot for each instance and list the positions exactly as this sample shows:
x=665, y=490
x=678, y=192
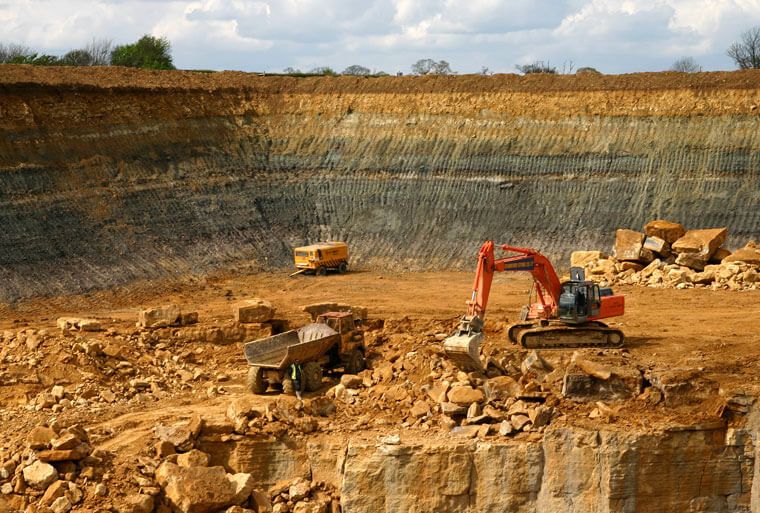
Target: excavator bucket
x=463, y=348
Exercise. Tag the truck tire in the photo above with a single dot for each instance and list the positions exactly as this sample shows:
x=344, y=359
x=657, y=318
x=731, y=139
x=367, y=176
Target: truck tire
x=312, y=376
x=355, y=362
x=287, y=386
x=342, y=268
x=256, y=382
x=321, y=271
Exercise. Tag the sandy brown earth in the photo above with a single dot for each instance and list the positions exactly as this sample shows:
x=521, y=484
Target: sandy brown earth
x=714, y=332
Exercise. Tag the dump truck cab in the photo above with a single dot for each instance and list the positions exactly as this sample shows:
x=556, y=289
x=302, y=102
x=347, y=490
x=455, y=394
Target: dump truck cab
x=351, y=337
x=321, y=257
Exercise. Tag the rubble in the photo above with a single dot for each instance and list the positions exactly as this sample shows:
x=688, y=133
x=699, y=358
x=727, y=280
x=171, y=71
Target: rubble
x=695, y=258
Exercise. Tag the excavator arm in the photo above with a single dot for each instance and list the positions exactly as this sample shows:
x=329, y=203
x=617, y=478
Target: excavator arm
x=547, y=282
x=464, y=345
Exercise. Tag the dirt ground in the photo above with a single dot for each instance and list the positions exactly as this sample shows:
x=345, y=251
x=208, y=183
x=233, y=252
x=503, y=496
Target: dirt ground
x=711, y=332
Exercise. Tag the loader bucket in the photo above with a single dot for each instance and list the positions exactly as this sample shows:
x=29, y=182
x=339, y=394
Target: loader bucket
x=463, y=349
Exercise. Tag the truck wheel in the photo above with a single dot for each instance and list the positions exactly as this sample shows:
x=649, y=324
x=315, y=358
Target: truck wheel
x=342, y=268
x=321, y=271
x=312, y=376
x=287, y=386
x=256, y=382
x=355, y=362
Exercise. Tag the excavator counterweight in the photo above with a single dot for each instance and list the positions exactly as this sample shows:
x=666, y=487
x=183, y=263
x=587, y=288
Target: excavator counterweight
x=566, y=314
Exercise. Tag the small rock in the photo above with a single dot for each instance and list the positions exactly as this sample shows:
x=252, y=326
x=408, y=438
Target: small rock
x=505, y=428
x=194, y=458
x=100, y=490
x=299, y=490
x=40, y=438
x=351, y=381
x=61, y=505
x=140, y=503
x=40, y=475
x=465, y=395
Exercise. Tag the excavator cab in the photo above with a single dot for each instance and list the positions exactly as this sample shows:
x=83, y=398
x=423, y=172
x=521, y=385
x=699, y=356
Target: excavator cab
x=579, y=299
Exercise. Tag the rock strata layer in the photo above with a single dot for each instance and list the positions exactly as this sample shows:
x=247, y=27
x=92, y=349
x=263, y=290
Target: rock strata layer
x=108, y=176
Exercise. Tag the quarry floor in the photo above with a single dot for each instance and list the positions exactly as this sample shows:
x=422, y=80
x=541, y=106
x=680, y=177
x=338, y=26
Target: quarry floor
x=715, y=332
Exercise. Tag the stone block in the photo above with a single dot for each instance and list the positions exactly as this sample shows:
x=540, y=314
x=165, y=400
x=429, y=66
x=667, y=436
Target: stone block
x=628, y=244
x=465, y=395
x=40, y=475
x=696, y=261
x=683, y=386
x=657, y=245
x=159, y=317
x=318, y=309
x=702, y=242
x=254, y=310
x=749, y=254
x=666, y=230
x=600, y=383
x=500, y=388
x=583, y=258
x=202, y=489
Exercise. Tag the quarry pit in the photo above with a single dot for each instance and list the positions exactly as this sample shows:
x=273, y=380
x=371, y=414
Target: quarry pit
x=127, y=189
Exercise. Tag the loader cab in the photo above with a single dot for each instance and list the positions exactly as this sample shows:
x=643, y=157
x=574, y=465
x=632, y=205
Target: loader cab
x=579, y=299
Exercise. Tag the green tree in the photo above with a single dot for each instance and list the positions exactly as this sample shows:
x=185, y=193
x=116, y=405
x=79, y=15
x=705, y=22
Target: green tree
x=356, y=69
x=324, y=70
x=746, y=53
x=426, y=66
x=148, y=53
x=76, y=58
x=587, y=69
x=36, y=60
x=536, y=67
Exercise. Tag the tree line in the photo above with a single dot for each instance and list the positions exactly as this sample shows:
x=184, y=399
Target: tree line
x=148, y=52
x=151, y=52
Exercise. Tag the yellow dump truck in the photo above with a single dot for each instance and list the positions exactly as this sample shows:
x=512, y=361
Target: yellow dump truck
x=321, y=257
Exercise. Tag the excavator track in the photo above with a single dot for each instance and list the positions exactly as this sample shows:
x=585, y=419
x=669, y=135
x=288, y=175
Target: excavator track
x=556, y=335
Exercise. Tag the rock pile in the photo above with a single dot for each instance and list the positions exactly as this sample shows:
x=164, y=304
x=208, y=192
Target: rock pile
x=668, y=255
x=302, y=496
x=52, y=471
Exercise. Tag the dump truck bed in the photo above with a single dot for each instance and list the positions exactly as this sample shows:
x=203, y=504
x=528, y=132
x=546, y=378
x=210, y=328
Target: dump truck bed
x=277, y=352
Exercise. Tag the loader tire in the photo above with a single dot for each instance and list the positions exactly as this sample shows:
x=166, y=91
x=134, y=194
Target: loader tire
x=312, y=376
x=355, y=362
x=321, y=271
x=287, y=387
x=342, y=268
x=256, y=382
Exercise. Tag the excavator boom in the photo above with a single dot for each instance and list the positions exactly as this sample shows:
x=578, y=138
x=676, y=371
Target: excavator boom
x=548, y=325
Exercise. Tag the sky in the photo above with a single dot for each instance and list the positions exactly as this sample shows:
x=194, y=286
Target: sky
x=390, y=35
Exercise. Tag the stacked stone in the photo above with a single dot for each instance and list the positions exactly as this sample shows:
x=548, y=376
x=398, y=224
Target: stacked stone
x=667, y=255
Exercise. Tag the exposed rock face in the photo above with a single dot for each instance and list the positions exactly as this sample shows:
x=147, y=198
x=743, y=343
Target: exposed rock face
x=700, y=469
x=135, y=174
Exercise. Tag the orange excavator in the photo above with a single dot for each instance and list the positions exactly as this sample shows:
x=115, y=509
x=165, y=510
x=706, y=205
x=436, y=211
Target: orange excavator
x=566, y=314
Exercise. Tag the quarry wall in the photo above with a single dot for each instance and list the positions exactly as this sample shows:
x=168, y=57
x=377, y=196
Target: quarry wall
x=112, y=175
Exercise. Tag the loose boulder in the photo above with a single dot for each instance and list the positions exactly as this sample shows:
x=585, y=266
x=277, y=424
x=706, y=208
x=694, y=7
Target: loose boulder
x=749, y=254
x=254, y=310
x=701, y=242
x=628, y=244
x=669, y=232
x=202, y=489
x=40, y=475
x=160, y=317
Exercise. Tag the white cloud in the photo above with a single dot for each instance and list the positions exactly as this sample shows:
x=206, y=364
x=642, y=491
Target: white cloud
x=613, y=36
